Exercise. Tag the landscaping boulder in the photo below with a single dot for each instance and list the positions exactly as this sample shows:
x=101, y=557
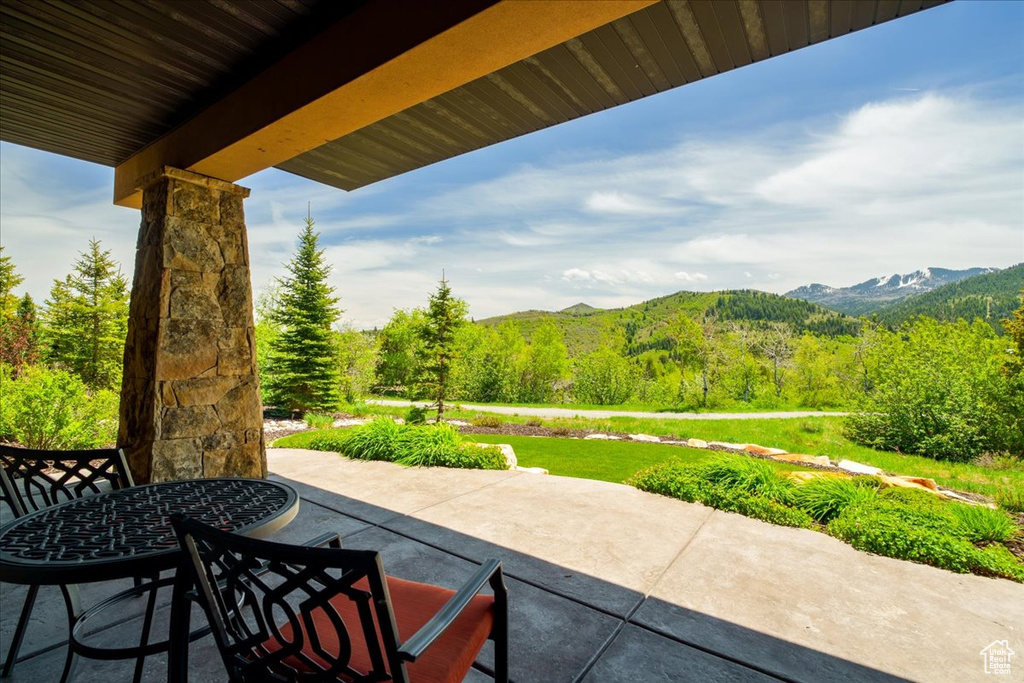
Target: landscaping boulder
x=909, y=483
x=754, y=449
x=603, y=437
x=858, y=468
x=696, y=443
x=728, y=446
x=797, y=457
x=645, y=437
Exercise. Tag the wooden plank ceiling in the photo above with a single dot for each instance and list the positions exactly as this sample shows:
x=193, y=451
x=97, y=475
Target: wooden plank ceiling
x=101, y=79
x=666, y=45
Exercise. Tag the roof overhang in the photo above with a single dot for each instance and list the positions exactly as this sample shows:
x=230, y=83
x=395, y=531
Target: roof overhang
x=351, y=93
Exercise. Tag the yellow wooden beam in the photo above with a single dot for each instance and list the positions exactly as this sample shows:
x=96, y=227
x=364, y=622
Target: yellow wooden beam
x=386, y=57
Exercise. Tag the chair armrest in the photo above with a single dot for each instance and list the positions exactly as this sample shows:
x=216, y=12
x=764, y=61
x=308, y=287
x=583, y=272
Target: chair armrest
x=445, y=617
x=328, y=539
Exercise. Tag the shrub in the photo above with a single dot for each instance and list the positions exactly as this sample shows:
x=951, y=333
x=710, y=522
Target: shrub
x=534, y=422
x=824, y=498
x=416, y=415
x=942, y=394
x=491, y=421
x=318, y=420
x=437, y=445
x=756, y=506
x=913, y=497
x=1011, y=498
x=483, y=457
x=885, y=530
x=977, y=523
x=376, y=440
x=52, y=409
x=896, y=529
x=996, y=560
x=725, y=485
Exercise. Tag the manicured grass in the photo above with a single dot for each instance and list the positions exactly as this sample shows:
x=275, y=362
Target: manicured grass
x=614, y=461
x=303, y=439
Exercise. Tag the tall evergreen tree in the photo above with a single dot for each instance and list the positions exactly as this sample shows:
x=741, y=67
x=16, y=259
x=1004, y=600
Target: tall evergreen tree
x=86, y=320
x=303, y=356
x=9, y=279
x=445, y=316
x=19, y=329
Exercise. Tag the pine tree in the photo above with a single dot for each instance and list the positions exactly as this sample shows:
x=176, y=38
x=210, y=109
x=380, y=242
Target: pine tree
x=445, y=316
x=303, y=356
x=9, y=279
x=19, y=330
x=86, y=320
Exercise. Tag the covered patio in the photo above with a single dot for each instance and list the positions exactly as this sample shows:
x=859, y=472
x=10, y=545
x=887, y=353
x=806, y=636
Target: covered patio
x=608, y=583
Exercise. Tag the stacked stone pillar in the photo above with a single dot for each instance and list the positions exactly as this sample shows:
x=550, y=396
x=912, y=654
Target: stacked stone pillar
x=190, y=403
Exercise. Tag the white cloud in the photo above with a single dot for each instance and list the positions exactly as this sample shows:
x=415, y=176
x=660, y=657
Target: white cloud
x=691, y=277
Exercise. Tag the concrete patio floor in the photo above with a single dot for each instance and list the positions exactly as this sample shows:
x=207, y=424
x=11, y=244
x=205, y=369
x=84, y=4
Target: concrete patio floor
x=608, y=583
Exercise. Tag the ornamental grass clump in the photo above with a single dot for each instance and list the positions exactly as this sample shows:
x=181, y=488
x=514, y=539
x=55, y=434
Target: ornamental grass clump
x=437, y=445
x=977, y=523
x=824, y=498
x=751, y=488
x=376, y=440
x=318, y=420
x=428, y=446
x=751, y=476
x=1011, y=498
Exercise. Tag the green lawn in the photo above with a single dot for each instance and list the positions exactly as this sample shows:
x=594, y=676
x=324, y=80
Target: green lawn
x=613, y=461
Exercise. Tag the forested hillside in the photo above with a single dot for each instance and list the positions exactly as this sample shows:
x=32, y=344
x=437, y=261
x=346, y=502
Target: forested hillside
x=644, y=325
x=990, y=297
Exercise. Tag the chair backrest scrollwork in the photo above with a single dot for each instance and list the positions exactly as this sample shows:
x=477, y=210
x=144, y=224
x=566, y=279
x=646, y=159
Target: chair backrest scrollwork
x=275, y=612
x=36, y=479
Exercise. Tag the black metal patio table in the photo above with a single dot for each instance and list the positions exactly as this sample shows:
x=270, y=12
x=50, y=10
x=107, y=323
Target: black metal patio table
x=127, y=533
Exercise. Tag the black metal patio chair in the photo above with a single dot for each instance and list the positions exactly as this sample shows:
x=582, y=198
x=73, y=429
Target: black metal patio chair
x=299, y=613
x=31, y=480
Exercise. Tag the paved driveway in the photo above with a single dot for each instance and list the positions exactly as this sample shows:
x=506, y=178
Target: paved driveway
x=604, y=414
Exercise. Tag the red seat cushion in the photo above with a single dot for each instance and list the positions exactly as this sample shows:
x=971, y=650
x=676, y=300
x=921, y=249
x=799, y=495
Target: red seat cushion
x=447, y=660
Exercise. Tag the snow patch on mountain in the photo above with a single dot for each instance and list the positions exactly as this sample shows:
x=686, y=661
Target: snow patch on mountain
x=866, y=296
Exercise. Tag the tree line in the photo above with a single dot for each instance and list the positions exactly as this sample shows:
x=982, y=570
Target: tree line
x=60, y=363
x=949, y=389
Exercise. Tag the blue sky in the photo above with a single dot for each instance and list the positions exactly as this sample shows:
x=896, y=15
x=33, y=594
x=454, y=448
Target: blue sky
x=891, y=149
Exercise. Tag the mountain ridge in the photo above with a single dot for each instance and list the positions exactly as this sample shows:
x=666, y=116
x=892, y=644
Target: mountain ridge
x=868, y=296
x=644, y=324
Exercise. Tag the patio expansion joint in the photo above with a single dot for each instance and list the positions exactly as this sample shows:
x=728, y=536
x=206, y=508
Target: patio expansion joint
x=628, y=619
x=697, y=646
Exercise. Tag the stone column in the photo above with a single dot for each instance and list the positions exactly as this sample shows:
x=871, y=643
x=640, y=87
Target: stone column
x=190, y=402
